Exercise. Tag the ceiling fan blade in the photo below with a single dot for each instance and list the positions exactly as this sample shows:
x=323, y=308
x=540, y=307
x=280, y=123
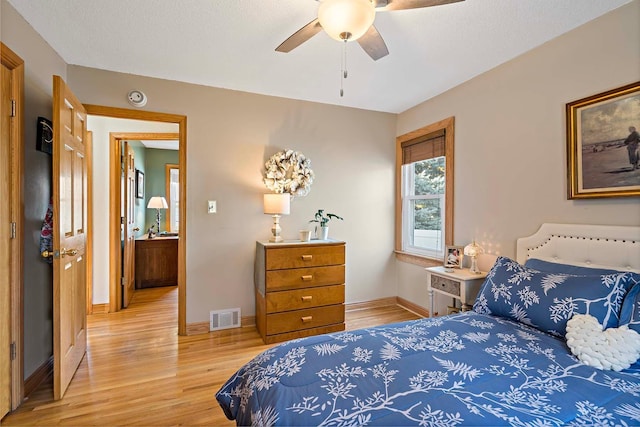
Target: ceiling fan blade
x=411, y=4
x=300, y=36
x=373, y=44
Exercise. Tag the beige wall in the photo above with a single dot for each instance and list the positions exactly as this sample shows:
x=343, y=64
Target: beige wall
x=229, y=136
x=510, y=173
x=41, y=63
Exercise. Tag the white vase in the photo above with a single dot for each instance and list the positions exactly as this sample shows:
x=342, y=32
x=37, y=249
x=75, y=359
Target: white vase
x=324, y=233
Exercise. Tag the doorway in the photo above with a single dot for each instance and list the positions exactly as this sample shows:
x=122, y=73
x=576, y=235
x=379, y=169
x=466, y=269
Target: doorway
x=128, y=201
x=114, y=235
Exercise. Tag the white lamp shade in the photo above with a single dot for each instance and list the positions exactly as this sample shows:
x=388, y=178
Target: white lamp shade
x=473, y=249
x=346, y=16
x=157, y=202
x=277, y=204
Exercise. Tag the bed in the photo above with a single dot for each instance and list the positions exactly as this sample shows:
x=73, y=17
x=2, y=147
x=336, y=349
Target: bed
x=507, y=362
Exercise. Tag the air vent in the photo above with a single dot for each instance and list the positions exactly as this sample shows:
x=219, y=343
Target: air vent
x=224, y=319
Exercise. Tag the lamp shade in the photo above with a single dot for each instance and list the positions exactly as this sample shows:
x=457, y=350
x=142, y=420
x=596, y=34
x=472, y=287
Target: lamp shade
x=277, y=204
x=157, y=202
x=473, y=249
x=346, y=19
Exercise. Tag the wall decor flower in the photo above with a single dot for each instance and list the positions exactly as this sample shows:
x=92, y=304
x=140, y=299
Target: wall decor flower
x=289, y=171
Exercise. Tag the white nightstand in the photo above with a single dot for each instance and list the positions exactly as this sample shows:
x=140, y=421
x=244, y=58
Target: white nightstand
x=459, y=284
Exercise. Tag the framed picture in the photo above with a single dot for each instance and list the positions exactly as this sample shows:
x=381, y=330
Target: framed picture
x=453, y=256
x=139, y=184
x=603, y=144
x=44, y=135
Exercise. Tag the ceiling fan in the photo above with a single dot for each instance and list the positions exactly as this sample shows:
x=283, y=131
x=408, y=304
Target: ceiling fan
x=349, y=20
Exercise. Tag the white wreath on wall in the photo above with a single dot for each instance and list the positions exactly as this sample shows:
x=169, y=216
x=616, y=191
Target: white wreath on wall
x=290, y=172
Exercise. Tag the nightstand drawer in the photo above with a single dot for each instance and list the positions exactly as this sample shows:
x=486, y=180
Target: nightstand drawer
x=305, y=256
x=304, y=277
x=304, y=298
x=304, y=319
x=445, y=285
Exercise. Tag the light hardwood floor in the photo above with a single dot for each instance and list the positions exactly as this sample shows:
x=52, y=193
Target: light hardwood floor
x=138, y=371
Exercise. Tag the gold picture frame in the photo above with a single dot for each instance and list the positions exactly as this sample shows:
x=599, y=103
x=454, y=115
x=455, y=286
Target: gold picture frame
x=602, y=142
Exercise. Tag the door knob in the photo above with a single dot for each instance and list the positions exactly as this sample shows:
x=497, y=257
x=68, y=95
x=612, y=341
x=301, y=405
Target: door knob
x=136, y=229
x=70, y=252
x=47, y=254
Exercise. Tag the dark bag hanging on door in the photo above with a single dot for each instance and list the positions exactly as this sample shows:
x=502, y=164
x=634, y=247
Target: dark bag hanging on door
x=46, y=233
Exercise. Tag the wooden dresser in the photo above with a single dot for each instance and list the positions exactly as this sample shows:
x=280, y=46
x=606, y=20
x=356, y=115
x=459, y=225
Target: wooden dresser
x=299, y=289
x=156, y=262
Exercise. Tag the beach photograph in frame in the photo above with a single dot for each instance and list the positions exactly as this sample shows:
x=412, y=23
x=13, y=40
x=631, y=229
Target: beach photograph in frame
x=603, y=144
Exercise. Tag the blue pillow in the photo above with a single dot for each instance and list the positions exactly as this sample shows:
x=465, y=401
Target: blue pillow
x=547, y=301
x=630, y=313
x=554, y=267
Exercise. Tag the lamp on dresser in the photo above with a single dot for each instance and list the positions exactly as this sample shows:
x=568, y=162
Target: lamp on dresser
x=157, y=203
x=276, y=205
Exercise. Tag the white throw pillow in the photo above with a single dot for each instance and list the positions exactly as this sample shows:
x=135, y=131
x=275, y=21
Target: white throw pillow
x=612, y=349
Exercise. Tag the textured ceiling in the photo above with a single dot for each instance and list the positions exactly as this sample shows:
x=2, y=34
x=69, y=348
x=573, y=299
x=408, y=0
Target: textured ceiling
x=230, y=44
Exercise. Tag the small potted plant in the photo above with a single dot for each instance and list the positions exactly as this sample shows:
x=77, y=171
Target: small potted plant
x=323, y=219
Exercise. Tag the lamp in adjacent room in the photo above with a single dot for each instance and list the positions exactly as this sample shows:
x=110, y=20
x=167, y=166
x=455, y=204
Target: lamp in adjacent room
x=473, y=250
x=157, y=203
x=276, y=205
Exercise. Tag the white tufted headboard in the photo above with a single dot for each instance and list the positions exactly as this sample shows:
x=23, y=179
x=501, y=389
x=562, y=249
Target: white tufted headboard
x=598, y=246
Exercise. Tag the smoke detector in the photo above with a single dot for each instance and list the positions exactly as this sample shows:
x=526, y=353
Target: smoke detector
x=137, y=98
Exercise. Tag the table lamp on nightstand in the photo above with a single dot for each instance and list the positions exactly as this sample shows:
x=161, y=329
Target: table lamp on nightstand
x=473, y=250
x=276, y=205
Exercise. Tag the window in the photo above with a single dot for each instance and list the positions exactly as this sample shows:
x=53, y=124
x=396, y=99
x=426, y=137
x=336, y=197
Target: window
x=172, y=190
x=424, y=183
x=423, y=206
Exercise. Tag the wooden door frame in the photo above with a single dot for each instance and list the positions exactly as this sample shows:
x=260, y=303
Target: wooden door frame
x=88, y=252
x=181, y=120
x=115, y=207
x=15, y=64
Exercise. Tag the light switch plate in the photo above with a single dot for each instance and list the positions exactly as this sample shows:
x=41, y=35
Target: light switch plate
x=212, y=208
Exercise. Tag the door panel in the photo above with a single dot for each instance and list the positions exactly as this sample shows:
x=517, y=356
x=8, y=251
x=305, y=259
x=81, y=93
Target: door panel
x=129, y=224
x=69, y=212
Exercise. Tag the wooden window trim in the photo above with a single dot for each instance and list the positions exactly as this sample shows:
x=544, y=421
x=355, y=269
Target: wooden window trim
x=448, y=126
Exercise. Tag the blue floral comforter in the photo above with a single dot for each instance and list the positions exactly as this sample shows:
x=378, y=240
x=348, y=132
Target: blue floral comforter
x=466, y=369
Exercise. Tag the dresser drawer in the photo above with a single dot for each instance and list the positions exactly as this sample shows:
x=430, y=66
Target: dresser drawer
x=304, y=298
x=304, y=319
x=304, y=277
x=298, y=257
x=445, y=285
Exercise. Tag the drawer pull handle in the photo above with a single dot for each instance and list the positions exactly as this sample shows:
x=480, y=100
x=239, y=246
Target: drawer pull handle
x=307, y=298
x=307, y=257
x=307, y=278
x=306, y=319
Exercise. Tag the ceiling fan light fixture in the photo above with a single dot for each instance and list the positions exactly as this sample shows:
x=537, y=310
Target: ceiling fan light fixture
x=346, y=19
